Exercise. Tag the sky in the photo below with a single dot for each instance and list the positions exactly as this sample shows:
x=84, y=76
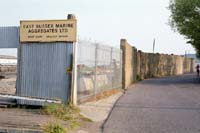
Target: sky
x=105, y=21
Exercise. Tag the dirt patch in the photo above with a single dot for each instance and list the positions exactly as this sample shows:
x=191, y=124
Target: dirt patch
x=8, y=83
x=33, y=119
x=21, y=118
x=100, y=96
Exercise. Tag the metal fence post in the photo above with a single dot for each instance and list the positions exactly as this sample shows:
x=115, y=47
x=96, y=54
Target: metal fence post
x=74, y=76
x=121, y=68
x=95, y=72
x=111, y=56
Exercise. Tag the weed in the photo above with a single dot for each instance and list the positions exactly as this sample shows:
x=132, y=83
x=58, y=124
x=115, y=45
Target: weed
x=56, y=110
x=138, y=78
x=74, y=124
x=71, y=114
x=54, y=128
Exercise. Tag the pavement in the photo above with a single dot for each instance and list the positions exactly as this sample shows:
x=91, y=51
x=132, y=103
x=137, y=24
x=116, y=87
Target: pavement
x=163, y=105
x=98, y=112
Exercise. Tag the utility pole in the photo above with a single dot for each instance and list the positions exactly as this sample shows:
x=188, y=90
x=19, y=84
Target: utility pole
x=154, y=42
x=185, y=53
x=153, y=59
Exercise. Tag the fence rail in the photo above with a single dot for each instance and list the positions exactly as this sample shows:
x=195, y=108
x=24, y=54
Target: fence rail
x=99, y=69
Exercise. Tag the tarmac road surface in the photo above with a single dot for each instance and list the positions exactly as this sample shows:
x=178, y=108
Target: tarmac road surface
x=163, y=105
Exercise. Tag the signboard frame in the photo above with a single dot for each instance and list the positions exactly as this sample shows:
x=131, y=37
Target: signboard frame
x=33, y=31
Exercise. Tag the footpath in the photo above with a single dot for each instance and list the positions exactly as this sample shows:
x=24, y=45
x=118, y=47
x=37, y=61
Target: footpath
x=97, y=111
x=159, y=105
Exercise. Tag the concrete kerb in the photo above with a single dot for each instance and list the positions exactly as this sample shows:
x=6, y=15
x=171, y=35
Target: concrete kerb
x=103, y=125
x=123, y=92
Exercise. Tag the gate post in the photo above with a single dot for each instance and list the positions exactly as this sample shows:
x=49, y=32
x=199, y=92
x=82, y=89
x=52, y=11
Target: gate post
x=73, y=97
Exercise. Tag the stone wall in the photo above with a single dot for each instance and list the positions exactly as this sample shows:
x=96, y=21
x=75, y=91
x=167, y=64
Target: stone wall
x=128, y=63
x=139, y=65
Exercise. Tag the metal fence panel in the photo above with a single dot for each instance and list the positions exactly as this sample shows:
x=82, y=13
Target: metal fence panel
x=117, y=68
x=86, y=69
x=42, y=70
x=104, y=71
x=99, y=69
x=9, y=37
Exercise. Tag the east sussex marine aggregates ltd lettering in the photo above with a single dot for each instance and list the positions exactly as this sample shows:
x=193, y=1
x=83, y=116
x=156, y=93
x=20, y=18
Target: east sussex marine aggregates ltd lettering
x=48, y=31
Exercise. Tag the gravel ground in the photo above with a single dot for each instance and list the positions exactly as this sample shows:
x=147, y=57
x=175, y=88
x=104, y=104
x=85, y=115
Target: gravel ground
x=22, y=118
x=7, y=84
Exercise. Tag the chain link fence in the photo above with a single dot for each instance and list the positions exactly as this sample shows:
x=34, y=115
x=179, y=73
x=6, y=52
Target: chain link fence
x=99, y=69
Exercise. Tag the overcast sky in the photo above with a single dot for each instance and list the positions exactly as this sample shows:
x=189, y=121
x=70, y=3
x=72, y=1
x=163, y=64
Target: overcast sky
x=105, y=21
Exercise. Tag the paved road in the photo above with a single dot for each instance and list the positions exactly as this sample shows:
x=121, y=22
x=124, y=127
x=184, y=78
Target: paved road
x=166, y=105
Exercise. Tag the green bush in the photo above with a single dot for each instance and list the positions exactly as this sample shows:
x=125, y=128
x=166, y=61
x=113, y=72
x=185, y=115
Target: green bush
x=70, y=114
x=61, y=111
x=138, y=78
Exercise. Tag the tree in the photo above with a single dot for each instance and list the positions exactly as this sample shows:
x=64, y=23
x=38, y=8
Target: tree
x=185, y=19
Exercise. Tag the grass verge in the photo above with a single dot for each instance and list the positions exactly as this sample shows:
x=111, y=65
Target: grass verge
x=70, y=114
x=54, y=128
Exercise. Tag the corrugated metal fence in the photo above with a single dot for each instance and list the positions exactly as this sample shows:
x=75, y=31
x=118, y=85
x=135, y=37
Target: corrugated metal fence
x=99, y=69
x=9, y=37
x=42, y=71
x=41, y=68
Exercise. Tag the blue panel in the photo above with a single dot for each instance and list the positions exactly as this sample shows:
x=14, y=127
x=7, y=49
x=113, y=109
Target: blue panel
x=42, y=70
x=9, y=37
